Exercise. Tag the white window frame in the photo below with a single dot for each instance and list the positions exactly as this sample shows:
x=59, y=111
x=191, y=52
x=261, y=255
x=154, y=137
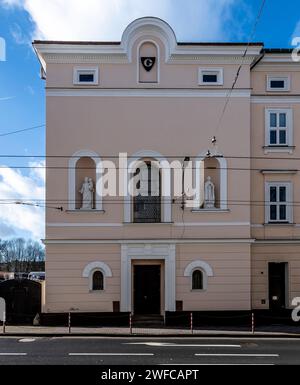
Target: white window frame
x=206, y=271
x=212, y=71
x=89, y=271
x=77, y=71
x=289, y=126
x=289, y=200
x=286, y=80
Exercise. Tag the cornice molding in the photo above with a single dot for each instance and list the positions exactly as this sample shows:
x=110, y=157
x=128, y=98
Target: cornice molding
x=275, y=99
x=77, y=58
x=122, y=58
x=148, y=92
x=53, y=52
x=217, y=57
x=278, y=58
x=168, y=242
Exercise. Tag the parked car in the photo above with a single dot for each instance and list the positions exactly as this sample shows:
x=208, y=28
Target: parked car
x=37, y=275
x=20, y=275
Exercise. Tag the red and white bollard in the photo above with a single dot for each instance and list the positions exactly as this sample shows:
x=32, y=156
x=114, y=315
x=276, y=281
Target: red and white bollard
x=192, y=330
x=69, y=322
x=252, y=323
x=130, y=323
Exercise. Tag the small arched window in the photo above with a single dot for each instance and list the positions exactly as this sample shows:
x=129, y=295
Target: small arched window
x=98, y=281
x=197, y=280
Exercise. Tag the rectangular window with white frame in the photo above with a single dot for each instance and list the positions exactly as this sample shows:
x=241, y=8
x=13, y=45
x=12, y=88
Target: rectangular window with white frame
x=279, y=127
x=278, y=202
x=86, y=76
x=210, y=76
x=278, y=83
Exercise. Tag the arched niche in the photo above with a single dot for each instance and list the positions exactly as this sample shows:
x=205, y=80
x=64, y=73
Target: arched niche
x=148, y=62
x=85, y=167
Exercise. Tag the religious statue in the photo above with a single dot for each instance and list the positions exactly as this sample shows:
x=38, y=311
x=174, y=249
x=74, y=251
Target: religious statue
x=87, y=190
x=209, y=194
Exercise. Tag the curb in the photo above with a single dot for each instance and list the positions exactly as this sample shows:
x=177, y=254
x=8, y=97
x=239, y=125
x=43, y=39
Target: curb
x=137, y=335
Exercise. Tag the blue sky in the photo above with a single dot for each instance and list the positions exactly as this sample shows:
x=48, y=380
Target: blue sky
x=22, y=102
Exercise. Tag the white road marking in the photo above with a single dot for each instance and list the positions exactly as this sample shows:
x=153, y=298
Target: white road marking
x=235, y=355
x=111, y=354
x=13, y=354
x=27, y=340
x=168, y=344
x=217, y=364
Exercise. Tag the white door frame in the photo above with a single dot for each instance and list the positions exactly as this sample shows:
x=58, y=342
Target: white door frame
x=148, y=251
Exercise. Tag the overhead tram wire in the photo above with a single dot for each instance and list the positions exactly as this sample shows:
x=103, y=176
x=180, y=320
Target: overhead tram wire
x=240, y=66
x=35, y=205
x=176, y=202
x=22, y=130
x=156, y=157
x=259, y=169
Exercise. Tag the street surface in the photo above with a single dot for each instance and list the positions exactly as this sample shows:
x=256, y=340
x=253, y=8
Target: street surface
x=148, y=351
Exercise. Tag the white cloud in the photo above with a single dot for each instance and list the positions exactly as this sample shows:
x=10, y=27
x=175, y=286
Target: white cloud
x=14, y=186
x=6, y=98
x=12, y=3
x=18, y=34
x=106, y=19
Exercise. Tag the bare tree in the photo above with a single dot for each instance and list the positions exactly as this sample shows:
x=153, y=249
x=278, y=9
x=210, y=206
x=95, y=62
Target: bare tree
x=20, y=255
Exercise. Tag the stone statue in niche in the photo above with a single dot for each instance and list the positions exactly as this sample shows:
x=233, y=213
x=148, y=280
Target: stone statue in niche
x=87, y=192
x=209, y=194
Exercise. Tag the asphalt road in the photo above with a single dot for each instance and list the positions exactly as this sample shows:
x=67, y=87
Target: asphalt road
x=148, y=351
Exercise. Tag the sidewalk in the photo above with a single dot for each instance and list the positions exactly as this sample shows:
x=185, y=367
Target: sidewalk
x=266, y=331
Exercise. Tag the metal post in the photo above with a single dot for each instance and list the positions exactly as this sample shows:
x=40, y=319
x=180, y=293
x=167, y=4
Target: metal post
x=192, y=330
x=252, y=323
x=69, y=322
x=130, y=323
x=4, y=320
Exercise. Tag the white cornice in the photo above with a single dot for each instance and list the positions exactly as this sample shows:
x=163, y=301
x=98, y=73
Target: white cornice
x=148, y=241
x=122, y=58
x=279, y=171
x=277, y=67
x=275, y=99
x=278, y=58
x=148, y=92
x=218, y=57
x=277, y=241
x=140, y=28
x=180, y=224
x=79, y=57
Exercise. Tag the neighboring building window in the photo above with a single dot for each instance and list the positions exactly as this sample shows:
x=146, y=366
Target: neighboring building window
x=197, y=280
x=278, y=127
x=85, y=76
x=98, y=281
x=278, y=202
x=211, y=76
x=278, y=83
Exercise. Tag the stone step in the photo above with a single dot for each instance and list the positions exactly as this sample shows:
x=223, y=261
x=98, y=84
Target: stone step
x=147, y=320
